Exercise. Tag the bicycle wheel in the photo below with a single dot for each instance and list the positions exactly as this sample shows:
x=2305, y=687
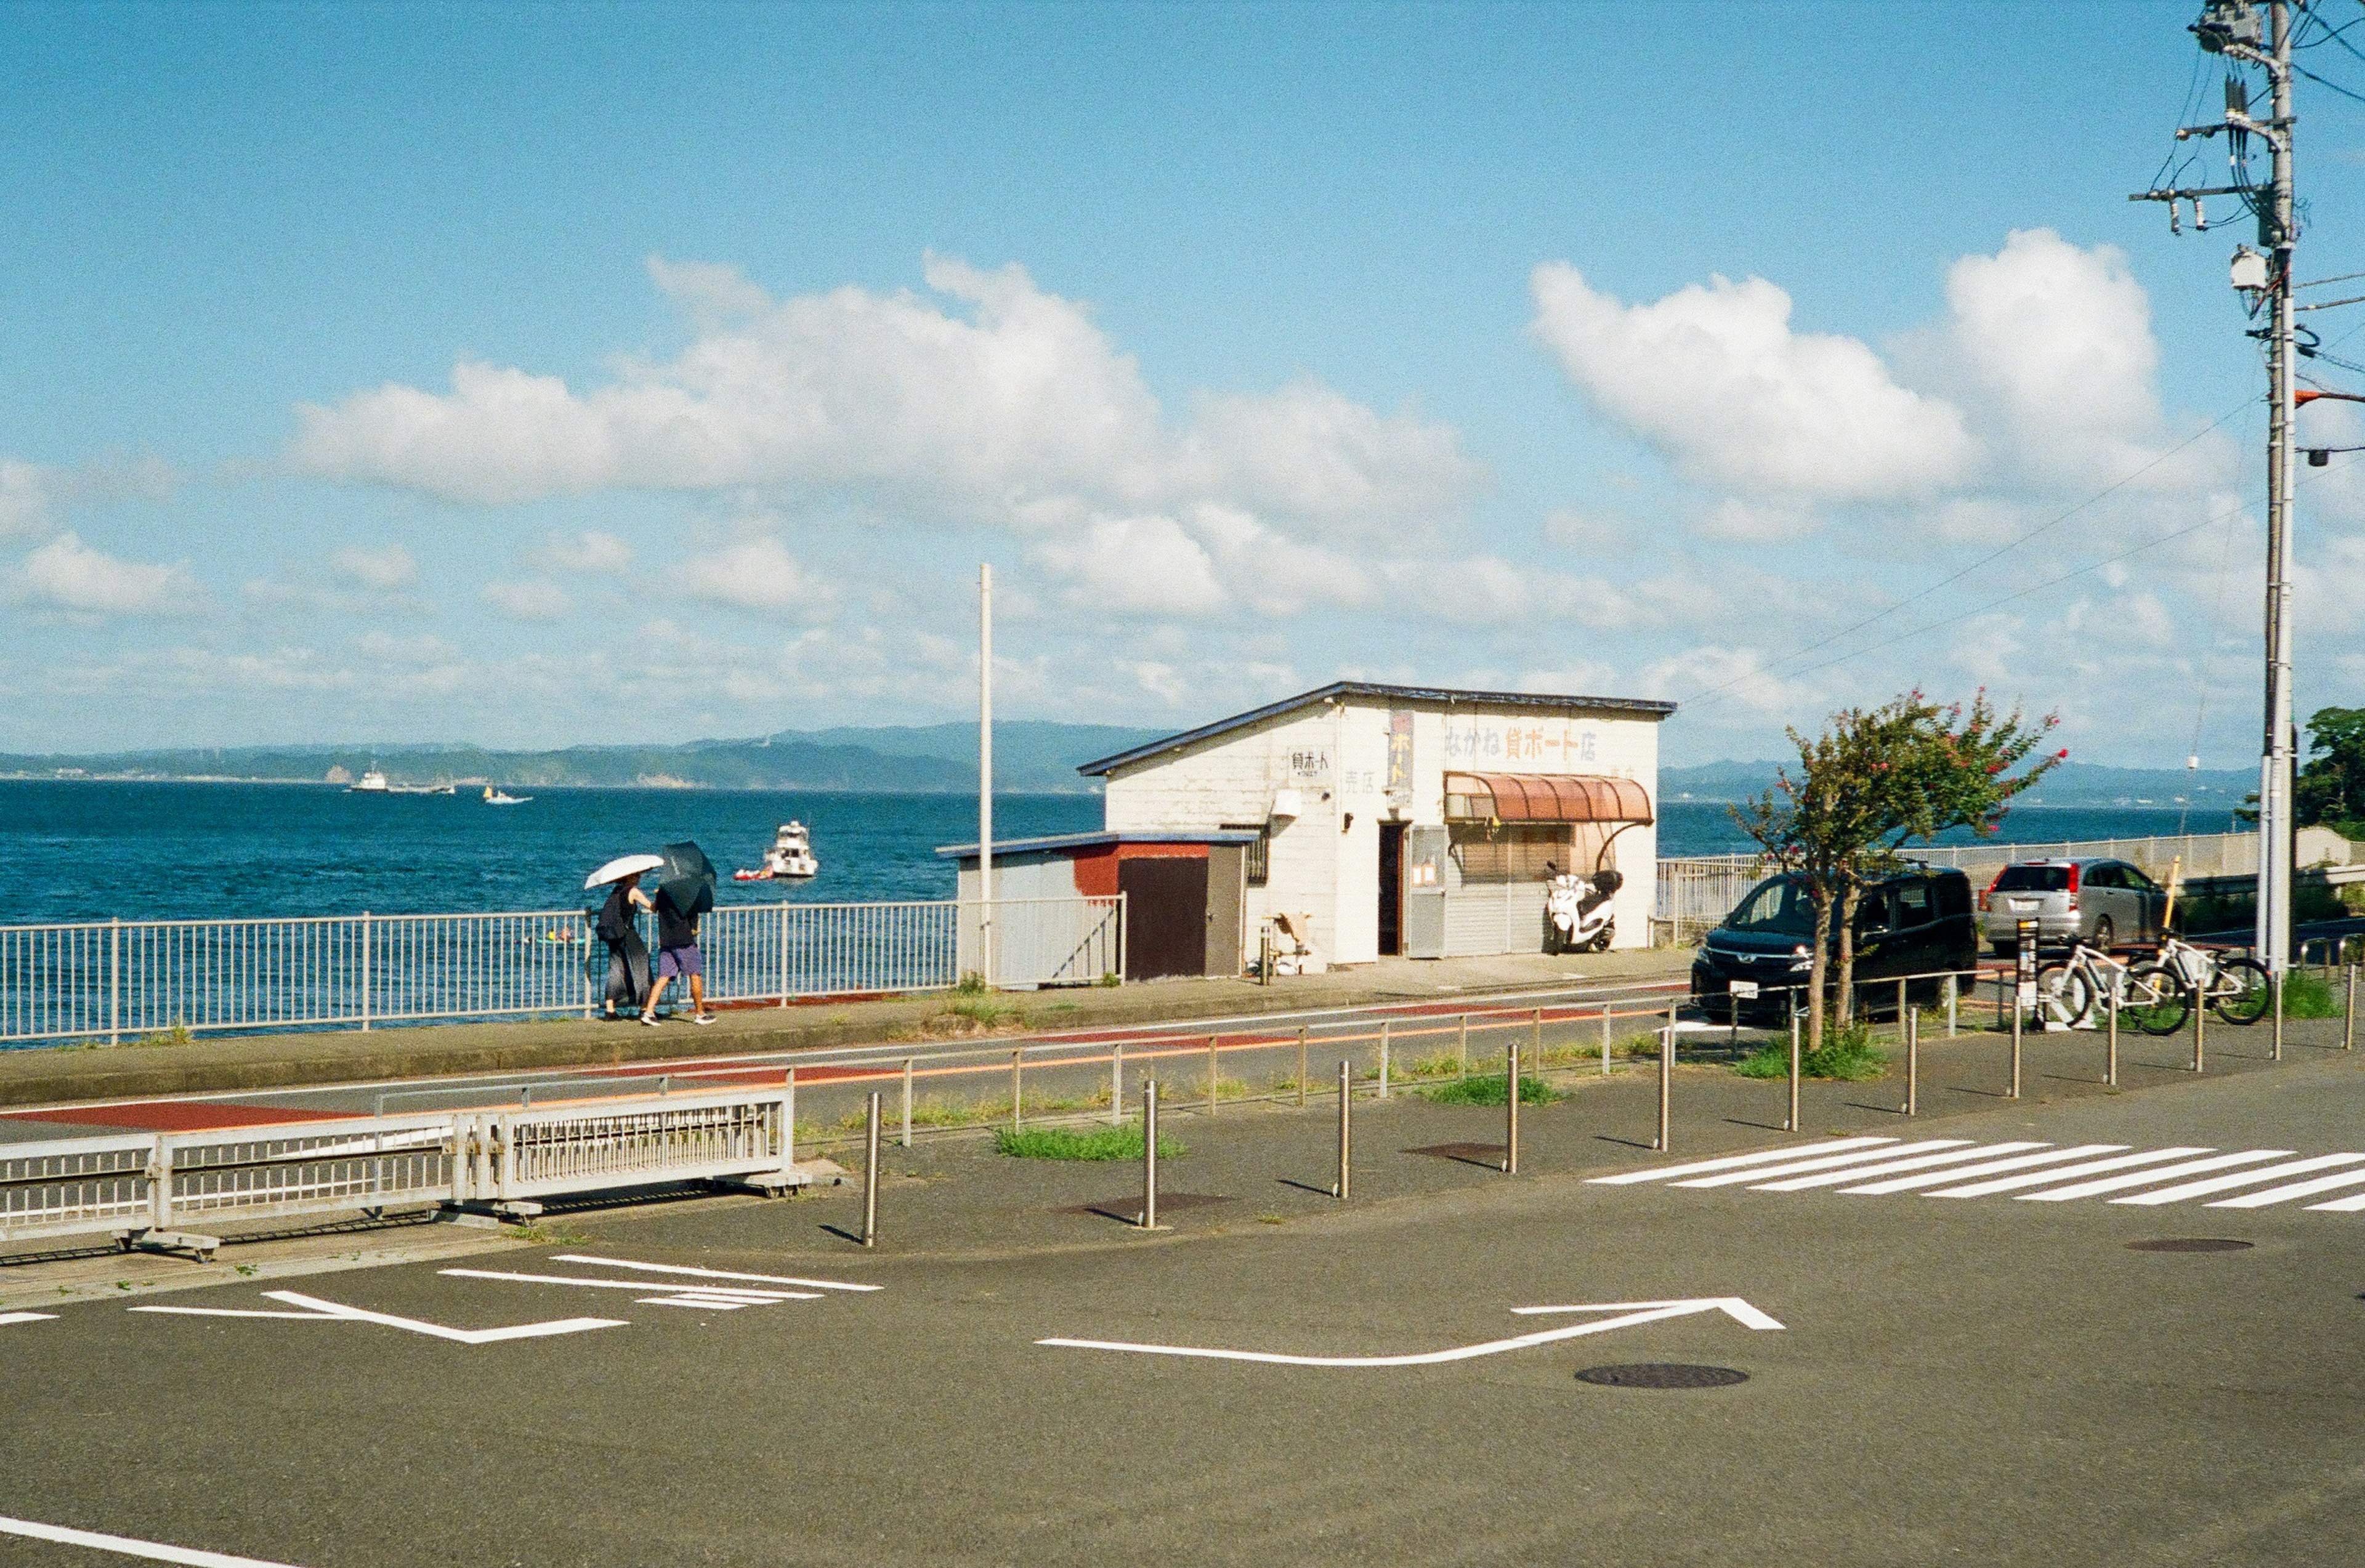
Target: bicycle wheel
x=2241, y=991
x=2063, y=993
x=2156, y=1000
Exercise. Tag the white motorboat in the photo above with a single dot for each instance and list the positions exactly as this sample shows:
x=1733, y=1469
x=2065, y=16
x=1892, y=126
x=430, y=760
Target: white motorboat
x=497, y=796
x=791, y=859
x=371, y=783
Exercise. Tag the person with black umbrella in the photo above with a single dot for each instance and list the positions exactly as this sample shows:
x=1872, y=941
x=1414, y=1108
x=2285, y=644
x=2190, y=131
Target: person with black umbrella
x=685, y=892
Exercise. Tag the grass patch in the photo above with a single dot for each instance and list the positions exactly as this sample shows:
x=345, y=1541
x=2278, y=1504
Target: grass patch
x=1492, y=1091
x=2307, y=994
x=986, y=1012
x=1070, y=1143
x=1845, y=1054
x=178, y=1035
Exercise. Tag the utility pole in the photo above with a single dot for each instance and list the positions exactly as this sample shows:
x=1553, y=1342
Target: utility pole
x=2236, y=29
x=986, y=770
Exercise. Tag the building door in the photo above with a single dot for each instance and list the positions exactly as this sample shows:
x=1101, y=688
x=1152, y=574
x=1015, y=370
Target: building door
x=1165, y=917
x=1391, y=889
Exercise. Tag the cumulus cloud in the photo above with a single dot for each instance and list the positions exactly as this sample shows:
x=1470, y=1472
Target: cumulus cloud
x=380, y=571
x=531, y=599
x=758, y=574
x=1136, y=566
x=1717, y=380
x=66, y=574
x=992, y=400
x=32, y=494
x=590, y=554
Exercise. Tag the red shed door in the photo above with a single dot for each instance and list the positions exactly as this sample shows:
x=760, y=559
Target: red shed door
x=1165, y=917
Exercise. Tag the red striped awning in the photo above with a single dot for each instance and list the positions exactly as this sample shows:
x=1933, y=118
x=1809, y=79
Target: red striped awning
x=1544, y=798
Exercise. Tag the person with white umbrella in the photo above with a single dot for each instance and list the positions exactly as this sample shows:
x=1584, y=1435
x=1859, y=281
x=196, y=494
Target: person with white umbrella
x=628, y=956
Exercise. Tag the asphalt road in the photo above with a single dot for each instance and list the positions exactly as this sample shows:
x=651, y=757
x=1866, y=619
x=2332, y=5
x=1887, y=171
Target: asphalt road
x=1991, y=1379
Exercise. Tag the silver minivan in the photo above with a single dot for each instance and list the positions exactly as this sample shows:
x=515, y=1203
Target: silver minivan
x=2102, y=903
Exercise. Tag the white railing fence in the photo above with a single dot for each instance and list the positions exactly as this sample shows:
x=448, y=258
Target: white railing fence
x=120, y=980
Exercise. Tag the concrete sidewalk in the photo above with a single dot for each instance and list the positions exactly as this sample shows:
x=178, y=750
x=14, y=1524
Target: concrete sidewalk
x=68, y=1075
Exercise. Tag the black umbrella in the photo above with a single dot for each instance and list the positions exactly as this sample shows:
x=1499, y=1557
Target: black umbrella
x=687, y=878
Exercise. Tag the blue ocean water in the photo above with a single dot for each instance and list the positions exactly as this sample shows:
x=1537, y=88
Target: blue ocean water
x=93, y=850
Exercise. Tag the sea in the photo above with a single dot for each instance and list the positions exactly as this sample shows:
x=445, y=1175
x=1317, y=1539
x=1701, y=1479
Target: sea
x=78, y=850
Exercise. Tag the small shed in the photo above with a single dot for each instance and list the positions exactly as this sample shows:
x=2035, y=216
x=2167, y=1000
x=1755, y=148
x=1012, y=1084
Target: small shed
x=1185, y=906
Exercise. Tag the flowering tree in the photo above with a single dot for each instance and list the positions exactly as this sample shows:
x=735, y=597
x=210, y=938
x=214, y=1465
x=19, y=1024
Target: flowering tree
x=1874, y=781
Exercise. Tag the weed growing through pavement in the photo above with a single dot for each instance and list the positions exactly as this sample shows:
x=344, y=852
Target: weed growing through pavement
x=1493, y=1090
x=2307, y=994
x=1069, y=1143
x=1847, y=1054
x=178, y=1035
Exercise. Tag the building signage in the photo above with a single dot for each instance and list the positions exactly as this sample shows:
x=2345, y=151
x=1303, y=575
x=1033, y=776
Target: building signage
x=1539, y=746
x=1310, y=766
x=1400, y=756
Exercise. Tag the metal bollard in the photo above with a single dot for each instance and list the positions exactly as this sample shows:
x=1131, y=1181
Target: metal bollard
x=1346, y=1126
x=2349, y=1014
x=1511, y=1109
x=1666, y=1077
x=2200, y=1032
x=1383, y=1058
x=2016, y=1020
x=1150, y=1154
x=1791, y=1124
x=789, y=1119
x=1913, y=1065
x=2110, y=1052
x=1300, y=1066
x=870, y=1175
x=2276, y=1051
x=1117, y=1084
x=1902, y=1002
x=1536, y=1057
x=1017, y=1086
x=907, y=1101
x=1605, y=1039
x=2003, y=984
x=1213, y=1069
x=1954, y=993
x=1463, y=1051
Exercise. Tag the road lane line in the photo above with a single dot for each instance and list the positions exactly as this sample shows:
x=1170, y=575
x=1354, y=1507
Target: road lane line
x=1763, y=1157
x=687, y=1301
x=124, y=1546
x=1954, y=1156
x=626, y=1285
x=6, y=1317
x=2145, y=1177
x=709, y=1273
x=1986, y=1168
x=2295, y=1190
x=2338, y=1206
x=2177, y=1194
x=1825, y=1162
x=2090, y=1168
x=1647, y=1311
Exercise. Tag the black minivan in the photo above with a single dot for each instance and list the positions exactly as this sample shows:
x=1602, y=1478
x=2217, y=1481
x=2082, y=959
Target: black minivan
x=1918, y=921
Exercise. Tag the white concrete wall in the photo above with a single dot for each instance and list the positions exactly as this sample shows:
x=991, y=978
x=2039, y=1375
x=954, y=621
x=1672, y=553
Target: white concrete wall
x=1337, y=758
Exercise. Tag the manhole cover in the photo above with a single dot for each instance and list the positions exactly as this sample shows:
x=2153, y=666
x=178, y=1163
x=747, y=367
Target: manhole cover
x=1477, y=1153
x=1663, y=1375
x=2190, y=1244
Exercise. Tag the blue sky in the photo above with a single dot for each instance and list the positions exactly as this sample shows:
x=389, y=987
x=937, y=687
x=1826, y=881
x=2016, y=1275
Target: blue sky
x=531, y=376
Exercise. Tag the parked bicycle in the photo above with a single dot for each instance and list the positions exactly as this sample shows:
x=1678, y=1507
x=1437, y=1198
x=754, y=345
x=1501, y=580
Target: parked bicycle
x=2068, y=990
x=2183, y=976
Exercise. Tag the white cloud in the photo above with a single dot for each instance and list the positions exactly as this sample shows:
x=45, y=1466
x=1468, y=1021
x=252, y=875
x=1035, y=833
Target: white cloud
x=1717, y=381
x=66, y=574
x=379, y=571
x=1006, y=405
x=531, y=599
x=31, y=494
x=1755, y=522
x=756, y=573
x=1136, y=566
x=588, y=553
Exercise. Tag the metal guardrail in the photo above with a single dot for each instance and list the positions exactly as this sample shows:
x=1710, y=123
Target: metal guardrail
x=113, y=980
x=141, y=1187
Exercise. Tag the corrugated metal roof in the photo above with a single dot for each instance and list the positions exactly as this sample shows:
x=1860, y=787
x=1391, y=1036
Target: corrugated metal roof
x=1637, y=707
x=1087, y=840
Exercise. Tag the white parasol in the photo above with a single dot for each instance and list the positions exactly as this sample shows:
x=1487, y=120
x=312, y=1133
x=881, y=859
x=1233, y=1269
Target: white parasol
x=621, y=867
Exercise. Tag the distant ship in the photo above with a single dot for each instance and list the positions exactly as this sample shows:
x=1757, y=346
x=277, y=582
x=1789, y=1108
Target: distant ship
x=496, y=796
x=370, y=783
x=791, y=859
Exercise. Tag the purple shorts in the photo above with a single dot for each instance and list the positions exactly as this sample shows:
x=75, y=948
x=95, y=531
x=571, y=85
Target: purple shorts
x=672, y=961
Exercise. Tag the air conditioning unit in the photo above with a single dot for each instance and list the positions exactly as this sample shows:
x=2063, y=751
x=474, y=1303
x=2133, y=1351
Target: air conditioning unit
x=1286, y=804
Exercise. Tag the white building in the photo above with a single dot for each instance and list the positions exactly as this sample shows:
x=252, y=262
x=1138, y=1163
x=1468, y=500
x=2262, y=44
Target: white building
x=1405, y=819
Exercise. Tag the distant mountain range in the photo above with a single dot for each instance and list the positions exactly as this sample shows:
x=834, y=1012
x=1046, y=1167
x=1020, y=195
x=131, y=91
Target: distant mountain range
x=1030, y=755
x=2071, y=784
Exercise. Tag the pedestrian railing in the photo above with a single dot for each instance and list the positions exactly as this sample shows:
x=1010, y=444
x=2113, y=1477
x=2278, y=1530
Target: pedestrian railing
x=122, y=980
x=145, y=1187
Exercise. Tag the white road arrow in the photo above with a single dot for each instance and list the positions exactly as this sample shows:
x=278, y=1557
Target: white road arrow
x=1634, y=1313
x=315, y=1310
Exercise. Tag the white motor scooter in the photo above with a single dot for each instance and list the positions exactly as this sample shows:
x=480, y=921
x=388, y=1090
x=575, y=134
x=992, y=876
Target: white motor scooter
x=1578, y=912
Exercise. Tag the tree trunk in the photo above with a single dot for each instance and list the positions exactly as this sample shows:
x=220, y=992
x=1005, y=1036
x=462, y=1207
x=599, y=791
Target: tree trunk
x=1819, y=970
x=1850, y=896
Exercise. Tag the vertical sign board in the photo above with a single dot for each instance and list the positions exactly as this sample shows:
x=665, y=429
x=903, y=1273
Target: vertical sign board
x=2025, y=961
x=1399, y=758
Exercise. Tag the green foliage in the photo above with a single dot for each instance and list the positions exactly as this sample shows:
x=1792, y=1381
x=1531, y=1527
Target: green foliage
x=2307, y=994
x=1068, y=1143
x=178, y=1035
x=2330, y=789
x=971, y=984
x=1846, y=1054
x=1492, y=1091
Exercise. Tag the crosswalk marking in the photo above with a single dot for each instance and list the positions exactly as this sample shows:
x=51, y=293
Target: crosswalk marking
x=2030, y=1170
x=1986, y=1168
x=1763, y=1157
x=2177, y=1194
x=1919, y=1162
x=2296, y=1190
x=2090, y=1168
x=1820, y=1162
